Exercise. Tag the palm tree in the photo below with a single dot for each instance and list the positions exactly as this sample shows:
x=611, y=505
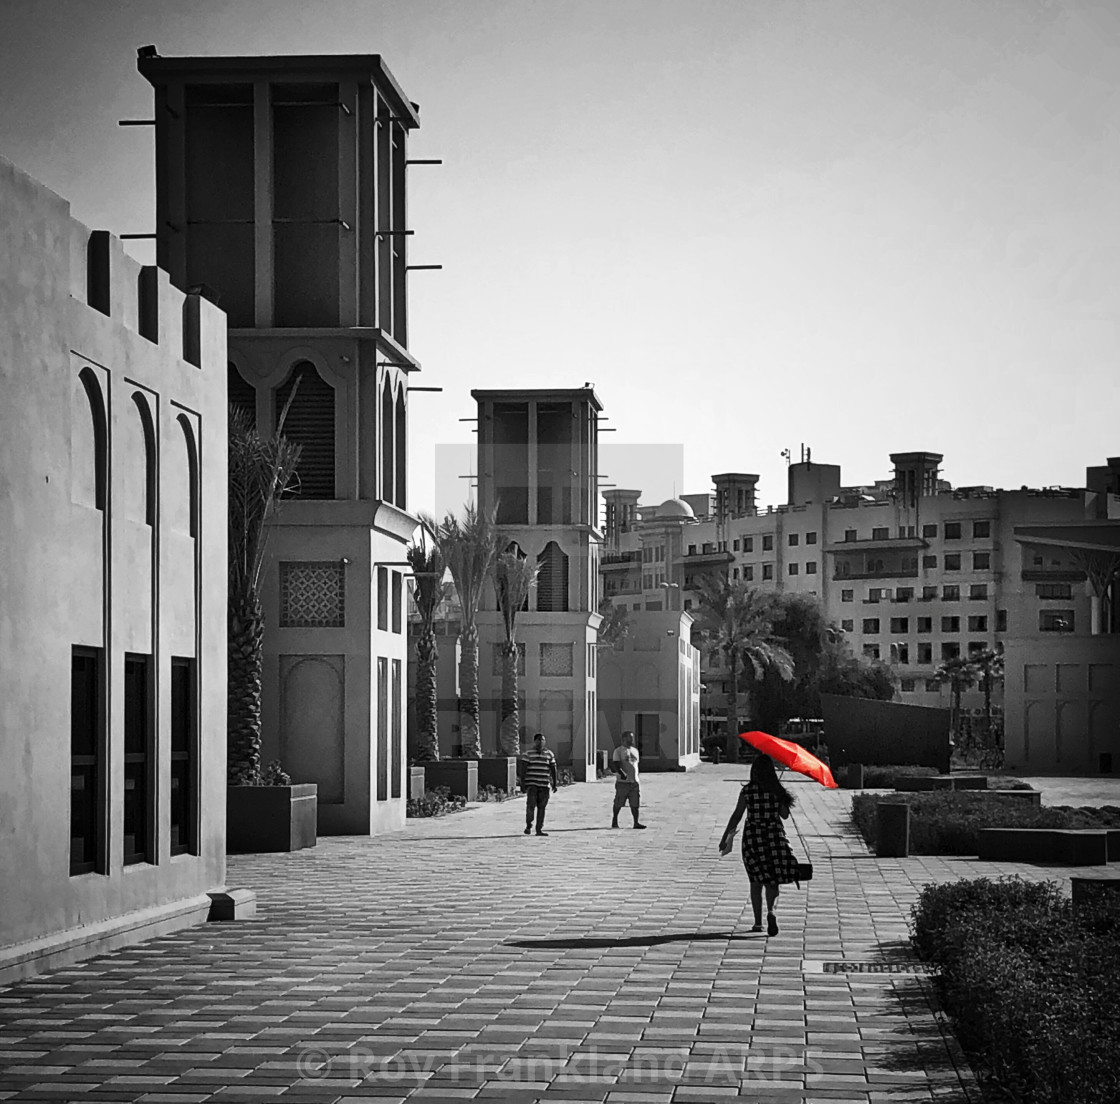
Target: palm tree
x=429, y=591
x=960, y=674
x=469, y=548
x=988, y=665
x=513, y=576
x=735, y=619
x=261, y=472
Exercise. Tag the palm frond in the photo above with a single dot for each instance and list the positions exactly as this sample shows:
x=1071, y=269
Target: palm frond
x=514, y=575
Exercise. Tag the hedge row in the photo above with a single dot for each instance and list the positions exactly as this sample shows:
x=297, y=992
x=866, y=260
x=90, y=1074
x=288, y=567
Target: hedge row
x=1032, y=985
x=885, y=777
x=946, y=822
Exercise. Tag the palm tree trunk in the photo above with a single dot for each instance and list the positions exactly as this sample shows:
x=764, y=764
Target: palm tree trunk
x=468, y=701
x=988, y=707
x=245, y=634
x=511, y=721
x=427, y=700
x=732, y=731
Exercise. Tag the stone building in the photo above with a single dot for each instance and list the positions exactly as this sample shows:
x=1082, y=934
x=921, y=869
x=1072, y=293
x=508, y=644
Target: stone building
x=281, y=186
x=538, y=469
x=112, y=597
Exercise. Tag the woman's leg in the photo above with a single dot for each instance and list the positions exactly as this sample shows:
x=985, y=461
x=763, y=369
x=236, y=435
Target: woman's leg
x=756, y=903
x=771, y=898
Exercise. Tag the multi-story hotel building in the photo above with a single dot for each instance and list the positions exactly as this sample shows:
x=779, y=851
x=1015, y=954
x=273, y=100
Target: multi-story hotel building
x=913, y=571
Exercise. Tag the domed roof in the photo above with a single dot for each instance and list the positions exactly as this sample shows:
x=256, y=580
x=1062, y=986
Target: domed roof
x=674, y=508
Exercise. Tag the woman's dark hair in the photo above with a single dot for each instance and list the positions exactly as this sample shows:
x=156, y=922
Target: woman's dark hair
x=765, y=777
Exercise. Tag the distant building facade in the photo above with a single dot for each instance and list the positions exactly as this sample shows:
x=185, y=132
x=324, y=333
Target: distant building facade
x=281, y=185
x=112, y=597
x=914, y=572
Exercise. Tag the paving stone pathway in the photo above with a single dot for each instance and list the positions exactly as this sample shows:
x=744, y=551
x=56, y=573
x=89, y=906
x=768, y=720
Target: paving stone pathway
x=461, y=960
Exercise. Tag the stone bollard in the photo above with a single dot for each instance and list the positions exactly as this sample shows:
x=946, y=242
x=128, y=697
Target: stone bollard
x=893, y=837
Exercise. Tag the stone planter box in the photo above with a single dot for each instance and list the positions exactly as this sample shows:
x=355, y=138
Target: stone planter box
x=851, y=777
x=271, y=818
x=415, y=783
x=499, y=771
x=460, y=776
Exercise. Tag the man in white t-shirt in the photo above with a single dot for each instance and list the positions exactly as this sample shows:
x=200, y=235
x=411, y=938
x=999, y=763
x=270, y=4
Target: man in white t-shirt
x=626, y=789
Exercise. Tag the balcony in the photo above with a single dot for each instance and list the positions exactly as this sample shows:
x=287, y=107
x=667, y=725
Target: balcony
x=707, y=559
x=619, y=561
x=1052, y=575
x=888, y=544
x=885, y=573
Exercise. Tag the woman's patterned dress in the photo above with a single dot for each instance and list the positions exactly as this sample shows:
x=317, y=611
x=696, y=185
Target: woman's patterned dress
x=766, y=851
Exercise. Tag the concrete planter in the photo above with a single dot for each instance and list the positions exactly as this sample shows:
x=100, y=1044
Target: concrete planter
x=415, y=783
x=460, y=776
x=499, y=771
x=271, y=818
x=851, y=777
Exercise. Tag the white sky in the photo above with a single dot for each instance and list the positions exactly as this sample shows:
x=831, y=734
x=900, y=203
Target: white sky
x=867, y=226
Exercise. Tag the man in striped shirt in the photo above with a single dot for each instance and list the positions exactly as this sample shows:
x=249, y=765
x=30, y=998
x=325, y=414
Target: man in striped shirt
x=540, y=777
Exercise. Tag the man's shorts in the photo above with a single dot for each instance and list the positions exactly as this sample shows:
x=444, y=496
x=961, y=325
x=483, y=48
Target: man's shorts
x=627, y=791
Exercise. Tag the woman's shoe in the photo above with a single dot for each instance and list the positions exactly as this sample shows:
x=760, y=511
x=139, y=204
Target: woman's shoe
x=756, y=927
x=771, y=925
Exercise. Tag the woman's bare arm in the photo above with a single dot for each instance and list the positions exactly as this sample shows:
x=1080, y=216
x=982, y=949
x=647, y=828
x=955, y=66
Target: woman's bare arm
x=733, y=823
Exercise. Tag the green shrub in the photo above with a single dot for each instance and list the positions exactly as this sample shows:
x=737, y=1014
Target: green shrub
x=493, y=793
x=942, y=909
x=436, y=802
x=884, y=777
x=946, y=822
x=1032, y=985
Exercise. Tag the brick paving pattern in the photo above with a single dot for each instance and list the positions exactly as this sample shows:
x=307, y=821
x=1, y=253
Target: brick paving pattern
x=445, y=963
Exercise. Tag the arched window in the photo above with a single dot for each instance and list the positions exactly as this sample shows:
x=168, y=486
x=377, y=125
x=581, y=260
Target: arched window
x=552, y=582
x=98, y=444
x=401, y=443
x=148, y=432
x=310, y=424
x=241, y=394
x=192, y=473
x=388, y=485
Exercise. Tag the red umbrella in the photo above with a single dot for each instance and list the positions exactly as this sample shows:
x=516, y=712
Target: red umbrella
x=790, y=755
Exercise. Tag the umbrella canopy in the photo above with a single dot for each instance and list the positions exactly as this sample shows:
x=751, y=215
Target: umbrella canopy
x=790, y=755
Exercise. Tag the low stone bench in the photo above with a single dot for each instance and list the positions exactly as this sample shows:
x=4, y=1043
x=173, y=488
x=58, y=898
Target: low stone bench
x=1061, y=846
x=922, y=784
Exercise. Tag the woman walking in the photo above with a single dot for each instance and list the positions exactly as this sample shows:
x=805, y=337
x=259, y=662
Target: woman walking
x=767, y=855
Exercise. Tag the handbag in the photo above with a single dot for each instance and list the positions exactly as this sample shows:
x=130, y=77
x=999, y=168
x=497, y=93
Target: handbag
x=804, y=867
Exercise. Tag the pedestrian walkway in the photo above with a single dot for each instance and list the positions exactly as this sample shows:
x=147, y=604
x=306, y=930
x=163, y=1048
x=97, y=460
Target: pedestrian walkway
x=461, y=960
